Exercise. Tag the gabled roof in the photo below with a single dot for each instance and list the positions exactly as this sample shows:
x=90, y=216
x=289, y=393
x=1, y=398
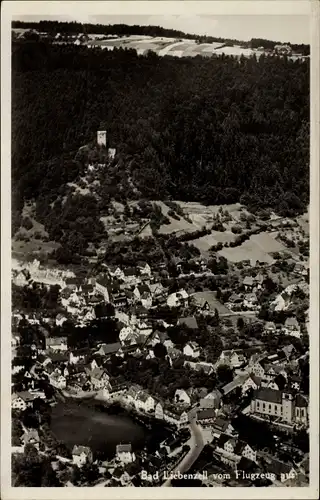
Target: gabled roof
x=26, y=396
x=78, y=450
x=110, y=348
x=221, y=423
x=292, y=322
x=124, y=448
x=73, y=281
x=131, y=271
x=248, y=280
x=237, y=382
x=189, y=321
x=301, y=401
x=206, y=413
x=268, y=395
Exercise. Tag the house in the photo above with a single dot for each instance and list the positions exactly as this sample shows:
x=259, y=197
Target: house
x=60, y=319
x=181, y=396
x=144, y=268
x=207, y=368
x=119, y=300
x=248, y=283
x=131, y=275
x=250, y=301
x=234, y=301
x=206, y=416
x=279, y=404
x=222, y=426
x=257, y=369
x=102, y=286
x=278, y=471
x=73, y=284
x=214, y=396
x=191, y=349
x=58, y=381
x=270, y=328
x=245, y=382
x=233, y=358
x=292, y=327
x=18, y=402
x=88, y=289
x=56, y=343
x=107, y=349
x=144, y=402
x=176, y=416
x=189, y=322
x=158, y=412
x=124, y=332
x=31, y=437
x=238, y=448
x=144, y=329
x=99, y=379
x=124, y=453
x=81, y=455
x=77, y=356
x=156, y=289
x=178, y=299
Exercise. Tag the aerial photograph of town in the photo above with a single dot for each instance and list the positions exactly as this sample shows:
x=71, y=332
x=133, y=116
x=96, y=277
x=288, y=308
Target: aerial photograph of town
x=160, y=255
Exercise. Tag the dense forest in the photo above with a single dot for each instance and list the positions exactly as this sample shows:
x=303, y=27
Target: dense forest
x=215, y=130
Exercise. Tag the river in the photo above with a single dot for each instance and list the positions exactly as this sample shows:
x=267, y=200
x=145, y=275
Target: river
x=90, y=424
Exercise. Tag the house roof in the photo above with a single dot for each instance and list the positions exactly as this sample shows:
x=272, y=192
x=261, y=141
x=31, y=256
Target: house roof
x=73, y=281
x=30, y=436
x=124, y=448
x=78, y=450
x=223, y=439
x=276, y=467
x=221, y=423
x=189, y=321
x=55, y=341
x=292, y=322
x=143, y=396
x=268, y=395
x=110, y=348
x=131, y=271
x=104, y=281
x=26, y=396
x=237, y=382
x=301, y=401
x=248, y=280
x=206, y=413
x=143, y=289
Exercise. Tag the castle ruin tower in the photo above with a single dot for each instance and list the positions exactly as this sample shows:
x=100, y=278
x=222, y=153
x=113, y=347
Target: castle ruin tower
x=102, y=137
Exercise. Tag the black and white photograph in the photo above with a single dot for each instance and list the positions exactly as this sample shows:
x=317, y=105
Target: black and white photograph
x=162, y=289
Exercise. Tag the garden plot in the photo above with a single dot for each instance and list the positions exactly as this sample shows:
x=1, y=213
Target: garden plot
x=204, y=243
x=249, y=250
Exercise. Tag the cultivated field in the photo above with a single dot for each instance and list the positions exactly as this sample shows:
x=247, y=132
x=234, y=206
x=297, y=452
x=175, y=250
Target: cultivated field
x=171, y=46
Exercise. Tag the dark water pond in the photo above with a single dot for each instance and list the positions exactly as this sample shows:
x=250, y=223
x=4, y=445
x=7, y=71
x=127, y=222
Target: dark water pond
x=86, y=423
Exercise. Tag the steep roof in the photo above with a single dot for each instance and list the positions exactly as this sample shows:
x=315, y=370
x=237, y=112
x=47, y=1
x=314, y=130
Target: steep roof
x=237, y=382
x=110, y=348
x=124, y=448
x=268, y=395
x=206, y=413
x=78, y=450
x=189, y=321
x=301, y=401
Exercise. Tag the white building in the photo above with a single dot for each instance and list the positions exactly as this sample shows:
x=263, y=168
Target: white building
x=125, y=454
x=102, y=137
x=81, y=455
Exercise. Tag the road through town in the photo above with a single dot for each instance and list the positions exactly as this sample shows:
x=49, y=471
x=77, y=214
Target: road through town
x=195, y=449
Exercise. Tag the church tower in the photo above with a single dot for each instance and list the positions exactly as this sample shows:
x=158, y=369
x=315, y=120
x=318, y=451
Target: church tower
x=287, y=407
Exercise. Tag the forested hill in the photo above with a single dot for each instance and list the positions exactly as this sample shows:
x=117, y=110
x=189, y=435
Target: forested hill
x=215, y=130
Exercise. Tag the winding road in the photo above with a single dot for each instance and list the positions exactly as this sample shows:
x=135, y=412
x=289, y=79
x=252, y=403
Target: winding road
x=195, y=449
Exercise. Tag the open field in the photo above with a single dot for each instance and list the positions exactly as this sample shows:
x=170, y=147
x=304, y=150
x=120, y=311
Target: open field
x=171, y=46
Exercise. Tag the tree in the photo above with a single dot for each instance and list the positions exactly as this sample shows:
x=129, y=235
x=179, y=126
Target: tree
x=225, y=374
x=160, y=350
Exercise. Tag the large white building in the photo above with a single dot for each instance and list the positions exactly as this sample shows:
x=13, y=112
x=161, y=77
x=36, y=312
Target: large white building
x=102, y=137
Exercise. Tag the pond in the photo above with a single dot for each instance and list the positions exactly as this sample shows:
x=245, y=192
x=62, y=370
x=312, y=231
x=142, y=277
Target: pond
x=101, y=428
